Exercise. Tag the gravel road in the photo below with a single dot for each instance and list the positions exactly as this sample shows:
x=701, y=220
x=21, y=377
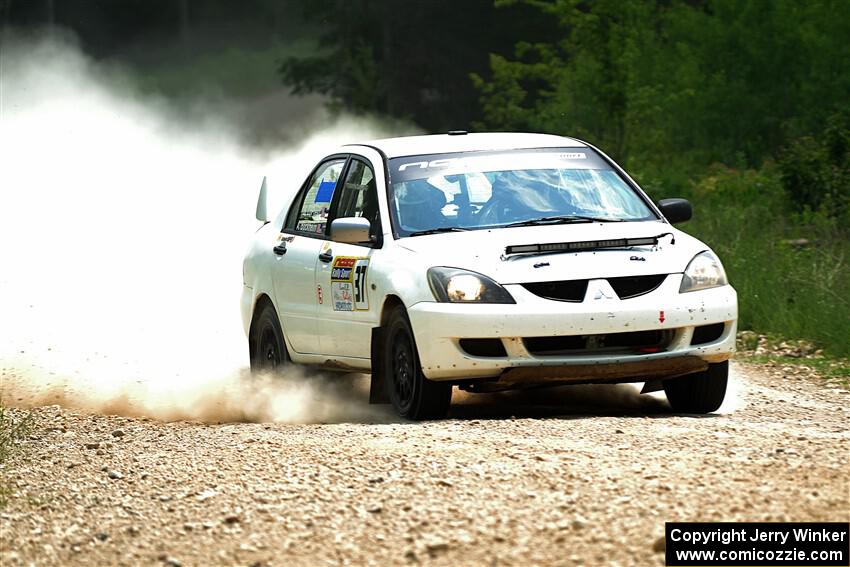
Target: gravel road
x=582, y=476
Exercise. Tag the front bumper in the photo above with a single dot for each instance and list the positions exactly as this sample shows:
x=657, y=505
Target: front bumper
x=439, y=328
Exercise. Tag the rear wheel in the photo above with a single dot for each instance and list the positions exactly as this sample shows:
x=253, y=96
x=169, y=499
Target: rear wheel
x=698, y=393
x=411, y=393
x=265, y=341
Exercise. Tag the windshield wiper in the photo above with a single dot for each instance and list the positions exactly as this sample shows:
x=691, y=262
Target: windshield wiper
x=438, y=230
x=561, y=219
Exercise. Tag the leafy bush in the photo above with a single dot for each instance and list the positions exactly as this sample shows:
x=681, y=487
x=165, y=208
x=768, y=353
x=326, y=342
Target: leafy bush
x=816, y=171
x=791, y=271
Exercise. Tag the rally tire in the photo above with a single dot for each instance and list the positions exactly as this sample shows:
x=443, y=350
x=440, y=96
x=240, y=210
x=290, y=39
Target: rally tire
x=698, y=393
x=265, y=341
x=412, y=395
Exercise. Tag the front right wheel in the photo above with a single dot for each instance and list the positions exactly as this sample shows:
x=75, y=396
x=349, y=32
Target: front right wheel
x=698, y=393
x=411, y=393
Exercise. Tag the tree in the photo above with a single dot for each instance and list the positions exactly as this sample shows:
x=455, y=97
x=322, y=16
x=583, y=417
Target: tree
x=408, y=60
x=729, y=81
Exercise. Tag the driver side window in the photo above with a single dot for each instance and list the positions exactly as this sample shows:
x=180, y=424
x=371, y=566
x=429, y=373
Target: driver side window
x=359, y=196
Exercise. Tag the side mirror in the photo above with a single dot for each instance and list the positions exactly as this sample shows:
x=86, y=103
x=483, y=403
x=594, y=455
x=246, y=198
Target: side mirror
x=262, y=214
x=350, y=230
x=676, y=210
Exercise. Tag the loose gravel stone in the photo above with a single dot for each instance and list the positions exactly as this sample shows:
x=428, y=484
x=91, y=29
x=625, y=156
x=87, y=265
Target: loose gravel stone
x=582, y=476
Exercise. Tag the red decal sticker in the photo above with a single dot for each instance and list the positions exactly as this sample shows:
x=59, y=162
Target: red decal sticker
x=319, y=295
x=660, y=316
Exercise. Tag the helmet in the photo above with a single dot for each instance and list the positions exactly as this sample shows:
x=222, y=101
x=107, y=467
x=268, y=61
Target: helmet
x=420, y=205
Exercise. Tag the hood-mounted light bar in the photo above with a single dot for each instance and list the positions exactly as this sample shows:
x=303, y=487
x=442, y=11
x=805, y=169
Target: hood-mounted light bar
x=583, y=246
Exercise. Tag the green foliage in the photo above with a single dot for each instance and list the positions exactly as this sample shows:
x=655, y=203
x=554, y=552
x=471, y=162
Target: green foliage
x=816, y=171
x=233, y=72
x=730, y=81
x=360, y=87
x=792, y=277
x=407, y=60
x=836, y=371
x=13, y=428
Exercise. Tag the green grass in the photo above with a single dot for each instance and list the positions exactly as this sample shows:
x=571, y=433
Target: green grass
x=833, y=370
x=12, y=431
x=783, y=288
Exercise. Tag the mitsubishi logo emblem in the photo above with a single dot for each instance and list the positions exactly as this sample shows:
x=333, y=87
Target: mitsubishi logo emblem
x=600, y=290
x=600, y=294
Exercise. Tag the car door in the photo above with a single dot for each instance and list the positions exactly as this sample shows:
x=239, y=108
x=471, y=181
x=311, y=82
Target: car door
x=348, y=311
x=297, y=252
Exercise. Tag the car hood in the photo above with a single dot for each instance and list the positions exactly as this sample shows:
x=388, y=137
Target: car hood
x=483, y=251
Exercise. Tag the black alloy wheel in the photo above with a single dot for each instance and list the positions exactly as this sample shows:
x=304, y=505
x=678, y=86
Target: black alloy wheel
x=411, y=393
x=267, y=347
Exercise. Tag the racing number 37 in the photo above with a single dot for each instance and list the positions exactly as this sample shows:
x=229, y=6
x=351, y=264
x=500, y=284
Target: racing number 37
x=348, y=284
x=360, y=286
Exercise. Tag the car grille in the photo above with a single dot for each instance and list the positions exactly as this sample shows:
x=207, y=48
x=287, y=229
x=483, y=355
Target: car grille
x=574, y=290
x=636, y=342
x=570, y=290
x=633, y=286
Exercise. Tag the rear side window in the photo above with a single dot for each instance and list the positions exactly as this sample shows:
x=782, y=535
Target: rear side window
x=309, y=213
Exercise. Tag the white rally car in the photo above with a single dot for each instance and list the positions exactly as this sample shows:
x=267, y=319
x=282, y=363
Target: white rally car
x=487, y=262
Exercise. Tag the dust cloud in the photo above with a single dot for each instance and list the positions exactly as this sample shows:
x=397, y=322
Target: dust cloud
x=122, y=229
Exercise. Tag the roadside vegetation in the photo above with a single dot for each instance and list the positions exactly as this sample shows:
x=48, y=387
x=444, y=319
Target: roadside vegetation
x=790, y=354
x=15, y=426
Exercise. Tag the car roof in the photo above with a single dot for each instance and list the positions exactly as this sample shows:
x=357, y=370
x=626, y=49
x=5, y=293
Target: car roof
x=450, y=143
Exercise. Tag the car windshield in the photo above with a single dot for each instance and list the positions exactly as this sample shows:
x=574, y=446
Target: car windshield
x=478, y=190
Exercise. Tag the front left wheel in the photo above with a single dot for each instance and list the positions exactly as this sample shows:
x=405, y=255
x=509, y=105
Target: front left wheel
x=412, y=394
x=265, y=341
x=698, y=393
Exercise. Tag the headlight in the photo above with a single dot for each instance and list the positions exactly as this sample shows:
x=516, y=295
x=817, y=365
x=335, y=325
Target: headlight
x=704, y=271
x=453, y=285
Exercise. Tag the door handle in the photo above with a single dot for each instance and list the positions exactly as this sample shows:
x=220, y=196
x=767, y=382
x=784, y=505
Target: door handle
x=280, y=249
x=326, y=256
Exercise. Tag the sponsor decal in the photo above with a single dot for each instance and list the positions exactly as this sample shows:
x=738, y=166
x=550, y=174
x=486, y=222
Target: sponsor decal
x=348, y=283
x=325, y=192
x=311, y=227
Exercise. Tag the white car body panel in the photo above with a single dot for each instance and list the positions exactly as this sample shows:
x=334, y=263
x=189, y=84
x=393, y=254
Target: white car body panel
x=300, y=288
